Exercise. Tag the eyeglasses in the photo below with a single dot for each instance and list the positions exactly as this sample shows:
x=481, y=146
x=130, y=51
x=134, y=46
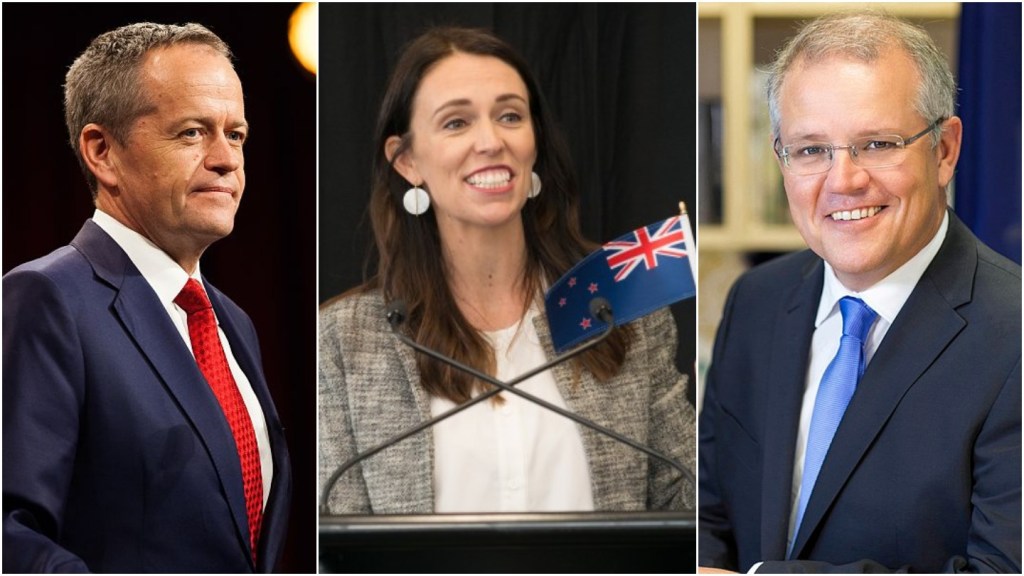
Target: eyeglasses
x=805, y=158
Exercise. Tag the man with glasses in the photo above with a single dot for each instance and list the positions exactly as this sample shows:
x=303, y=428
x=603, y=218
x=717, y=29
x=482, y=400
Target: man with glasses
x=863, y=407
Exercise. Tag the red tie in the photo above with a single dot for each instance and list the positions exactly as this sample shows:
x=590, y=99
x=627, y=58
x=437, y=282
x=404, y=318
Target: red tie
x=202, y=330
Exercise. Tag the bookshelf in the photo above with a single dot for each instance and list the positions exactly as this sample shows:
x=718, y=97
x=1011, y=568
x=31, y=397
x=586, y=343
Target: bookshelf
x=748, y=210
x=742, y=207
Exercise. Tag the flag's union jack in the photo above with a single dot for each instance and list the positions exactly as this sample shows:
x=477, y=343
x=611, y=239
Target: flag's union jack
x=627, y=254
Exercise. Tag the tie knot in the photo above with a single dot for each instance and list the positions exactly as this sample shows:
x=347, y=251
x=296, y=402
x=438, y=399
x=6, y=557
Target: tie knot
x=857, y=317
x=192, y=297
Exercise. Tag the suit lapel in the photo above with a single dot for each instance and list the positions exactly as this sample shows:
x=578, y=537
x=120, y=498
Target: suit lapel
x=924, y=327
x=246, y=353
x=420, y=469
x=786, y=376
x=145, y=319
x=407, y=468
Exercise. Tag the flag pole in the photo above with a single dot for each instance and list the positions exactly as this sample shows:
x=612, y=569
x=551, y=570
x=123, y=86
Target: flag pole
x=691, y=247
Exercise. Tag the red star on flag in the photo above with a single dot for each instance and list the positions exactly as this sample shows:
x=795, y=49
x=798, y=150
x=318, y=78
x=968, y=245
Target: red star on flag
x=585, y=324
x=572, y=282
x=593, y=287
x=561, y=302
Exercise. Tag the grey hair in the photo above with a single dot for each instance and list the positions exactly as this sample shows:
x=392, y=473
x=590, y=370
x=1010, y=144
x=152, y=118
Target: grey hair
x=102, y=86
x=866, y=36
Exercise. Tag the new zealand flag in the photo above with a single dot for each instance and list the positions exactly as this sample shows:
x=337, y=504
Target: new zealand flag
x=638, y=273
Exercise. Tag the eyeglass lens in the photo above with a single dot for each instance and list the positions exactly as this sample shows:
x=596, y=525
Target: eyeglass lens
x=868, y=152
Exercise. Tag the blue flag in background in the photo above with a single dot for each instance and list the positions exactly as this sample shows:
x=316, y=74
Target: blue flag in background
x=988, y=175
x=638, y=273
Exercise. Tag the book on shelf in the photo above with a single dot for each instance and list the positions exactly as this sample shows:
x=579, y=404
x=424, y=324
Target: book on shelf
x=709, y=159
x=768, y=196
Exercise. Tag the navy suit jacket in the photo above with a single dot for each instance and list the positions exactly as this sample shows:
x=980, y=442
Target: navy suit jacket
x=116, y=454
x=924, y=472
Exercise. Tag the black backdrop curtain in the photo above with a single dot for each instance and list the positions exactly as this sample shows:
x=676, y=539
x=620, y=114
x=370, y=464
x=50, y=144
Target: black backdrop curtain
x=267, y=265
x=619, y=79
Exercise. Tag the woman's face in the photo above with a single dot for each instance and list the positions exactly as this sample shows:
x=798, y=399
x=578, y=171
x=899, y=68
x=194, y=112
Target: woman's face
x=472, y=142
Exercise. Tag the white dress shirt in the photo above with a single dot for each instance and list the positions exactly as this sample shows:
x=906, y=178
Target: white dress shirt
x=516, y=457
x=886, y=298
x=167, y=279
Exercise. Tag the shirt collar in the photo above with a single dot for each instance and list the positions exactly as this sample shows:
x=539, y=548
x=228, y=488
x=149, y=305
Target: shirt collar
x=887, y=296
x=162, y=273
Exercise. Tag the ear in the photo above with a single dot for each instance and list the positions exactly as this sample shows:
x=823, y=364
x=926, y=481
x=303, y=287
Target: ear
x=404, y=164
x=95, y=143
x=772, y=139
x=948, y=149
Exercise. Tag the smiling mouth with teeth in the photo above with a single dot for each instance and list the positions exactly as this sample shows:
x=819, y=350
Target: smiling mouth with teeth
x=490, y=179
x=858, y=214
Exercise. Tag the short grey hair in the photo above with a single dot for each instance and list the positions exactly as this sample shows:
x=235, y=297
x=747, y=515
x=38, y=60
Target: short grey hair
x=866, y=36
x=102, y=86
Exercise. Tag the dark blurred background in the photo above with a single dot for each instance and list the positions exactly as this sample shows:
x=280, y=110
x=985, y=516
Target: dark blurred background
x=267, y=265
x=619, y=79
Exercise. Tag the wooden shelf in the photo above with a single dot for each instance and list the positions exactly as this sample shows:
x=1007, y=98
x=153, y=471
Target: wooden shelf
x=800, y=10
x=756, y=238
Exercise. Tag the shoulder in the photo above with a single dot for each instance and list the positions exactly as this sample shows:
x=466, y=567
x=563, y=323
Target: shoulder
x=353, y=321
x=656, y=326
x=352, y=311
x=654, y=345
x=63, y=264
x=63, y=274
x=967, y=270
x=994, y=307
x=978, y=282
x=1000, y=275
x=774, y=281
x=780, y=273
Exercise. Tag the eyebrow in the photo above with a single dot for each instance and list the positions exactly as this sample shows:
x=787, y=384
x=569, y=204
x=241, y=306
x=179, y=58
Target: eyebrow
x=812, y=136
x=211, y=121
x=455, y=103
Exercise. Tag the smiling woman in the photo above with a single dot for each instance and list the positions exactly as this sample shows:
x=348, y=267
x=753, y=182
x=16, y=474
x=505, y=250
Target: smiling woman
x=463, y=121
x=472, y=147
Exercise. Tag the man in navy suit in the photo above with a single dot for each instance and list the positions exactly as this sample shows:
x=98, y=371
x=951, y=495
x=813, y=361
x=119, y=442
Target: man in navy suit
x=923, y=471
x=118, y=455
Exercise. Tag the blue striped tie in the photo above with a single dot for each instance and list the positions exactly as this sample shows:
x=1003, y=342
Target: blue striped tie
x=834, y=393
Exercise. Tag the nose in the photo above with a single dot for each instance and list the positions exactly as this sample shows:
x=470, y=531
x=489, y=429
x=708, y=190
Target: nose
x=488, y=140
x=223, y=155
x=845, y=176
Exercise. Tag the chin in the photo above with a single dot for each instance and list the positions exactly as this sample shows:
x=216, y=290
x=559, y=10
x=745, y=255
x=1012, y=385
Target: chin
x=215, y=229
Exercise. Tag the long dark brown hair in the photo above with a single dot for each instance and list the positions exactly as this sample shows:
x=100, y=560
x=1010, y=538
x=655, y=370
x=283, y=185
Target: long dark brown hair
x=410, y=263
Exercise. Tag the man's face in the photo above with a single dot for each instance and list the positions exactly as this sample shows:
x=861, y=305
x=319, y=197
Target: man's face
x=179, y=177
x=838, y=100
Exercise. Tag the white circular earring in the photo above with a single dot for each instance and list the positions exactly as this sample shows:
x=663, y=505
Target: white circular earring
x=416, y=201
x=535, y=185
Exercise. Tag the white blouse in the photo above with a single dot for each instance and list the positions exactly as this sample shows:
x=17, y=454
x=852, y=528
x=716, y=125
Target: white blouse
x=516, y=457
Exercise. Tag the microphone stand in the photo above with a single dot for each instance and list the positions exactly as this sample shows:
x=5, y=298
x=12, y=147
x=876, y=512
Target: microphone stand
x=599, y=308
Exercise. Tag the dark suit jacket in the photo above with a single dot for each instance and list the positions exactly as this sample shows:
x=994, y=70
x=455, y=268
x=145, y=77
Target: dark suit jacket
x=924, y=472
x=116, y=454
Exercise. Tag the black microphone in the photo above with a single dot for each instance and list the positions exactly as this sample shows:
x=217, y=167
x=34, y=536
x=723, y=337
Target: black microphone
x=397, y=313
x=600, y=308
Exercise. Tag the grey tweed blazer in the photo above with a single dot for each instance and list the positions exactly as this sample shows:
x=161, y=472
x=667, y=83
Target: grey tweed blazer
x=369, y=391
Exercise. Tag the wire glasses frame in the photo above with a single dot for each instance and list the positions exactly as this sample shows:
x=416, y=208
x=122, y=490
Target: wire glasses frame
x=878, y=151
